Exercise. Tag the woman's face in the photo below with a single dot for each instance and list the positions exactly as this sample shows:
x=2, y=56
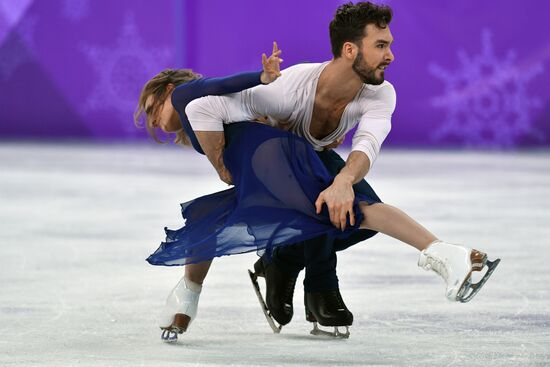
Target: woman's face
x=166, y=117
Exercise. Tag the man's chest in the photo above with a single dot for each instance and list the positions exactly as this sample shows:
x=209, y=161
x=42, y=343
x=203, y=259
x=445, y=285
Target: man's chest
x=325, y=119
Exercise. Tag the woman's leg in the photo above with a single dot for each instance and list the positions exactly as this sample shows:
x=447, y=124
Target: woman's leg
x=454, y=263
x=393, y=222
x=197, y=272
x=182, y=303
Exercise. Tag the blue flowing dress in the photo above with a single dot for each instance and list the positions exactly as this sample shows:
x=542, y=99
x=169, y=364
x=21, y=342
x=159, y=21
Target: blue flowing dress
x=277, y=177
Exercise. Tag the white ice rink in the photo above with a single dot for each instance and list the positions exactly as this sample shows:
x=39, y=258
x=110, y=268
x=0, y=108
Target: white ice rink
x=77, y=222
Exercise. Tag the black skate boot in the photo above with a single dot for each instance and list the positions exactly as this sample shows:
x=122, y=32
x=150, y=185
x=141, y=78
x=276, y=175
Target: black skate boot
x=277, y=305
x=328, y=309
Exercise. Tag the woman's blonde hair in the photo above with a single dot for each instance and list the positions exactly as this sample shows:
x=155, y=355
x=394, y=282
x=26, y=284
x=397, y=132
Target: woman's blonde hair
x=157, y=87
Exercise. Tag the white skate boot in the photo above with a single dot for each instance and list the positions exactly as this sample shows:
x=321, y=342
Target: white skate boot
x=455, y=264
x=180, y=309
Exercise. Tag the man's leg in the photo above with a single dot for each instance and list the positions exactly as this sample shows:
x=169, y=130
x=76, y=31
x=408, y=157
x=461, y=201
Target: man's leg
x=286, y=263
x=322, y=298
x=320, y=264
x=322, y=295
x=321, y=282
x=323, y=301
x=318, y=251
x=318, y=257
x=280, y=271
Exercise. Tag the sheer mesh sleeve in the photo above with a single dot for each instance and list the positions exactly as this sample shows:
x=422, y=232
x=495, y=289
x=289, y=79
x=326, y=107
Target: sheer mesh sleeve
x=192, y=90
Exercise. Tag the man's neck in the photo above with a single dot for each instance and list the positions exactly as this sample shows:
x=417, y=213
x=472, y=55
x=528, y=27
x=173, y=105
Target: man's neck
x=338, y=83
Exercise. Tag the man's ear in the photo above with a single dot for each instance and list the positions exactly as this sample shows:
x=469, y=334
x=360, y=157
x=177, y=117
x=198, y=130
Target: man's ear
x=350, y=50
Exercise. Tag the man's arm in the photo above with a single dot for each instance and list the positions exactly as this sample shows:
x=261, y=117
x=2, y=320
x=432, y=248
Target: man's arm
x=356, y=168
x=373, y=129
x=339, y=196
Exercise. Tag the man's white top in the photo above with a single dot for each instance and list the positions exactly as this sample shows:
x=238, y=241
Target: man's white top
x=288, y=102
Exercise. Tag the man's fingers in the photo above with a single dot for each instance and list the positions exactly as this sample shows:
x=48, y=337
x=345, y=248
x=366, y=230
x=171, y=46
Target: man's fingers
x=334, y=213
x=351, y=217
x=343, y=222
x=343, y=218
x=275, y=47
x=319, y=203
x=334, y=220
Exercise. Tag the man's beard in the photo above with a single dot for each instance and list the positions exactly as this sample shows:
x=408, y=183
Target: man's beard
x=365, y=73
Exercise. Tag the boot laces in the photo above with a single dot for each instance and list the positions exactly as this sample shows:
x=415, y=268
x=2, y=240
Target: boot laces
x=336, y=300
x=289, y=290
x=437, y=265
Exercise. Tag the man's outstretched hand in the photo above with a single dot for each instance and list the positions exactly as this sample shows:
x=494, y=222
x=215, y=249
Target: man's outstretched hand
x=271, y=65
x=339, y=200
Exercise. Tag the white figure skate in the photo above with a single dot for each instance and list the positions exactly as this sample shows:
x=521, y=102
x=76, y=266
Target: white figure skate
x=455, y=264
x=180, y=309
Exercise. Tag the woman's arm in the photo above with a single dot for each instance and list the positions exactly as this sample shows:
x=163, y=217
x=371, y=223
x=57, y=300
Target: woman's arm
x=211, y=141
x=187, y=92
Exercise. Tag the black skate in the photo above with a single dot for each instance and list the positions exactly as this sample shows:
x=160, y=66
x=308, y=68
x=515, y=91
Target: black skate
x=328, y=309
x=277, y=306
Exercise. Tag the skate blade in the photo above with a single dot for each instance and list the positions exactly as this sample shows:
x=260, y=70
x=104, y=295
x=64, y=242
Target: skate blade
x=270, y=320
x=336, y=334
x=469, y=290
x=179, y=326
x=169, y=336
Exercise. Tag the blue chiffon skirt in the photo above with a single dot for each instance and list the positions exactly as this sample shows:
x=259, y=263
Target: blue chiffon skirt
x=278, y=177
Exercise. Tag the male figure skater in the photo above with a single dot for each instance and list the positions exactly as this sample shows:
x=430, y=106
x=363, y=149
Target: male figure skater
x=320, y=102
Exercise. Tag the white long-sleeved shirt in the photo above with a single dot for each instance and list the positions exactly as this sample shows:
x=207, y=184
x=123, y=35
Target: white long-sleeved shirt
x=289, y=100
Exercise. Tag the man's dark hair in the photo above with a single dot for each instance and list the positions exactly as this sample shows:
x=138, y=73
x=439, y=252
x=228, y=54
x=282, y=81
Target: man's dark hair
x=350, y=20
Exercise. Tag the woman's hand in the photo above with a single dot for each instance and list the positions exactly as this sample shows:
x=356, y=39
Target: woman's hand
x=271, y=66
x=225, y=176
x=213, y=143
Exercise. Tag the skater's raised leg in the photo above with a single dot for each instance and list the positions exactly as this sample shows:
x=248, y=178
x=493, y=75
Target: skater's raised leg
x=454, y=263
x=395, y=223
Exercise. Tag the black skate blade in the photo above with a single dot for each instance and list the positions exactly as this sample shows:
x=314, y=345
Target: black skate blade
x=169, y=336
x=336, y=334
x=270, y=320
x=475, y=288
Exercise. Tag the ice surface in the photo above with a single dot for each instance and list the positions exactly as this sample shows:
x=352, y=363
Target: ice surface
x=77, y=222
